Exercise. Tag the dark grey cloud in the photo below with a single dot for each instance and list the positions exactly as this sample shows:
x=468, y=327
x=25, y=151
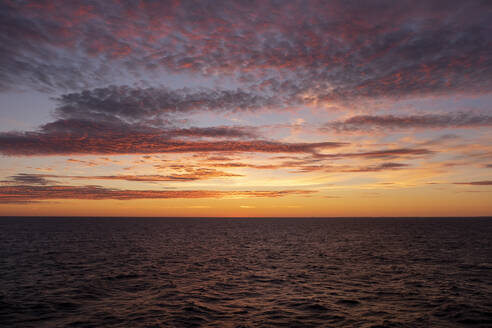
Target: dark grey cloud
x=476, y=183
x=85, y=127
x=392, y=122
x=28, y=179
x=153, y=104
x=216, y=132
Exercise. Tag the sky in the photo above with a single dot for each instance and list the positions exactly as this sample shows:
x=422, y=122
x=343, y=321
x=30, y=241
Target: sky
x=246, y=108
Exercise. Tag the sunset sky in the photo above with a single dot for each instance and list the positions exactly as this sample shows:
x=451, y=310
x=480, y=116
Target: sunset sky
x=246, y=108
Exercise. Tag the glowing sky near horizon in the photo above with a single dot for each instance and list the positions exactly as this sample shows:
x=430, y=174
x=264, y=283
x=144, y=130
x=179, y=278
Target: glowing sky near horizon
x=246, y=108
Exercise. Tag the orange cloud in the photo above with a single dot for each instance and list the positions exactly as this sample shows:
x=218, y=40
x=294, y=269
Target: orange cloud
x=30, y=193
x=136, y=142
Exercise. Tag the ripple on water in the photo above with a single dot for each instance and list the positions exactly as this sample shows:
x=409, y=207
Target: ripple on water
x=245, y=273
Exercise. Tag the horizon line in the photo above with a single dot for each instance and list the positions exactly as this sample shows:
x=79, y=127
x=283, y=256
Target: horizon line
x=241, y=217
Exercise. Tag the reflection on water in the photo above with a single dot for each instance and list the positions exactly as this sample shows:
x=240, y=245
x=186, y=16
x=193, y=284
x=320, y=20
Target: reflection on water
x=245, y=272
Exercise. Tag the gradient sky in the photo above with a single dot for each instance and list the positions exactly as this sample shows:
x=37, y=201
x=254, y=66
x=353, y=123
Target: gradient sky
x=246, y=108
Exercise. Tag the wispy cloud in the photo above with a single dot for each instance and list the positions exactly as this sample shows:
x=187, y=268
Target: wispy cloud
x=476, y=183
x=306, y=166
x=191, y=174
x=383, y=153
x=28, y=193
x=135, y=142
x=378, y=167
x=370, y=123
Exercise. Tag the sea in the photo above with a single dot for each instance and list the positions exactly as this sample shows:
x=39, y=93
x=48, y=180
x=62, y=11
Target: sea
x=245, y=272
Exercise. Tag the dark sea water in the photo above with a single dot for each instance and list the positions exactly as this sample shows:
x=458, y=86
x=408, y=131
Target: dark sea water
x=109, y=272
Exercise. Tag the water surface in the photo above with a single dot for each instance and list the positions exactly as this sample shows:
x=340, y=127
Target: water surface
x=135, y=272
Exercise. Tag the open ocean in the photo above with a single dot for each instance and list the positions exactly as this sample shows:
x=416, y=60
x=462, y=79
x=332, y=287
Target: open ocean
x=142, y=272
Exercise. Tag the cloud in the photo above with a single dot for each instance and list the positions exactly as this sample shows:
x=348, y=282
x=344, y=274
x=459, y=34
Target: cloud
x=131, y=104
x=322, y=51
x=378, y=167
x=247, y=165
x=476, y=183
x=79, y=137
x=305, y=166
x=29, y=179
x=192, y=174
x=84, y=127
x=218, y=158
x=390, y=122
x=129, y=122
x=32, y=193
x=215, y=132
x=82, y=162
x=384, y=153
